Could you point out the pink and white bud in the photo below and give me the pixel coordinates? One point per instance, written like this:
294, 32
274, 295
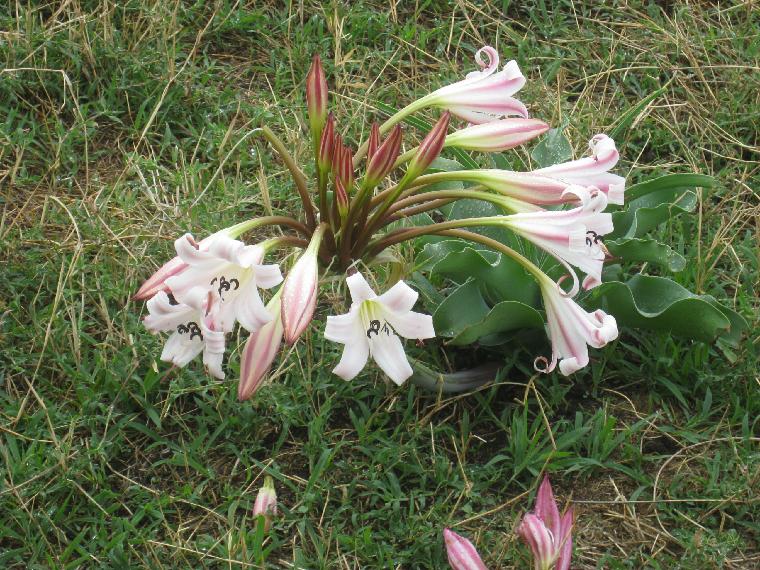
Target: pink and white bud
496, 135
384, 158
484, 95
266, 503
260, 350
461, 553
547, 534
592, 170
316, 96
299, 292
430, 147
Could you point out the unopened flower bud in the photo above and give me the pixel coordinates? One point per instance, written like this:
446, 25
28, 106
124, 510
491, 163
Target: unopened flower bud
374, 141
429, 148
266, 503
299, 291
384, 158
327, 145
316, 96
461, 553
259, 352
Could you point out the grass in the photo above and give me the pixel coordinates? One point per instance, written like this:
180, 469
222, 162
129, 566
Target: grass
122, 127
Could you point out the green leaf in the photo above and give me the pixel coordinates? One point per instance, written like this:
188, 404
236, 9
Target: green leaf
640, 217
462, 209
635, 249
668, 182
553, 148
500, 277
466, 317
464, 307
657, 303
503, 317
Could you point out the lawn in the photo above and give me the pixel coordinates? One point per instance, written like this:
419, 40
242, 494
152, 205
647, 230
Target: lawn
125, 124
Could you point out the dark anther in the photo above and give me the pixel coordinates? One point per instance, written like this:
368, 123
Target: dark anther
592, 238
172, 300
225, 285
374, 327
192, 328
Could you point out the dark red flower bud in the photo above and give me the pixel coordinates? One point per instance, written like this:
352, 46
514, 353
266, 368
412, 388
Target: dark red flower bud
384, 158
374, 141
316, 96
327, 144
430, 147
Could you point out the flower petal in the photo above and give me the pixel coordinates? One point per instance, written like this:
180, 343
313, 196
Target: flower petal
267, 276
249, 309
359, 288
388, 352
411, 325
179, 350
353, 360
546, 507
399, 298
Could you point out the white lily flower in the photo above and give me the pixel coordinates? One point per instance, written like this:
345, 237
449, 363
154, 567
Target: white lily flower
572, 330
372, 328
195, 325
233, 271
572, 236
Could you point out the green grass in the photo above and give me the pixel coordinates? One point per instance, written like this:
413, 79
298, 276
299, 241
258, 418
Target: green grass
116, 117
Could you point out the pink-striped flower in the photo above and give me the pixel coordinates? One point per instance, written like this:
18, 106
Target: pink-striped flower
259, 352
572, 236
547, 534
195, 328
461, 553
266, 502
372, 328
592, 170
233, 271
571, 330
497, 135
484, 95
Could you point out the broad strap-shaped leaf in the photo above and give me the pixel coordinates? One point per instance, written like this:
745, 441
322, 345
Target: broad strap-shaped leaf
657, 303
635, 249
506, 316
500, 278
466, 317
653, 202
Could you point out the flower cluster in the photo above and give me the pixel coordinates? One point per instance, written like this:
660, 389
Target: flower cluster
350, 215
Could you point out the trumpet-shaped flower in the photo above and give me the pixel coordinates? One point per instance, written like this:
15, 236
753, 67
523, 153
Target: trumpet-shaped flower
195, 325
496, 135
547, 534
592, 170
484, 95
372, 328
233, 271
572, 330
259, 352
461, 553
572, 236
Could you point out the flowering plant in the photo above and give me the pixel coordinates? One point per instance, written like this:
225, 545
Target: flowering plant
505, 245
